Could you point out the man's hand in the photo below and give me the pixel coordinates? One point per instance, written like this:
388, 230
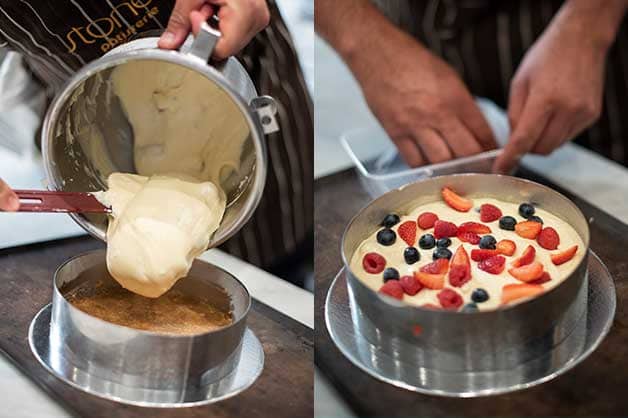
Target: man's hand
557, 90
9, 201
240, 21
423, 105
420, 100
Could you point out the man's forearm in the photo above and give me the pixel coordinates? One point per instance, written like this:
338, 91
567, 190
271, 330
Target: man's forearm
342, 23
352, 26
361, 34
600, 18
334, 19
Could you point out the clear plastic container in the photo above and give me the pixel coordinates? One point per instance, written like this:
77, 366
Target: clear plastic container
381, 168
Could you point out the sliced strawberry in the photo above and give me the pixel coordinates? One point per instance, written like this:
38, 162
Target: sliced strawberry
516, 291
373, 263
426, 220
459, 275
470, 237
506, 247
528, 272
444, 229
449, 299
431, 281
489, 213
410, 285
430, 306
392, 288
475, 227
528, 229
482, 254
545, 277
438, 266
460, 268
548, 238
493, 265
564, 256
455, 201
526, 258
407, 232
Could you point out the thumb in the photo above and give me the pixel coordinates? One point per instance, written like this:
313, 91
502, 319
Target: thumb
179, 23
8, 199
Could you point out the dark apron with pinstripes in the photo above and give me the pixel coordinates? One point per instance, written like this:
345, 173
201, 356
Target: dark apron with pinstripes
485, 40
58, 37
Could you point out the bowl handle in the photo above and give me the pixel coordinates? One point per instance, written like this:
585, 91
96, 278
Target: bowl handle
205, 42
266, 109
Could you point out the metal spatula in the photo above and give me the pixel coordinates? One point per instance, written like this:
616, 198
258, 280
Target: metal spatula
55, 201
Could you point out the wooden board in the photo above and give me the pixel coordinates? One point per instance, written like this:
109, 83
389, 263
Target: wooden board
285, 388
598, 386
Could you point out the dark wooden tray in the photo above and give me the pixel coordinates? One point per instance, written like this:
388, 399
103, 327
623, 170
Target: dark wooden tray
285, 388
597, 387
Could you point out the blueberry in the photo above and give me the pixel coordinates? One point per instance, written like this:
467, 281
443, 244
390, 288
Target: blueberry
411, 255
386, 237
443, 243
441, 253
488, 242
427, 241
391, 274
526, 210
535, 218
390, 220
479, 295
508, 223
470, 307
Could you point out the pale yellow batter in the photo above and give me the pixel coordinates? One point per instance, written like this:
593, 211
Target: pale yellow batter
188, 138
182, 122
158, 226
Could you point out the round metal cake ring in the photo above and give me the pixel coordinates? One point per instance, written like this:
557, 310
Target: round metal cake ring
383, 365
246, 372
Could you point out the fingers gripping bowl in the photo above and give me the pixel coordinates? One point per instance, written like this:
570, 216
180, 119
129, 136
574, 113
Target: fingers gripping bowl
498, 338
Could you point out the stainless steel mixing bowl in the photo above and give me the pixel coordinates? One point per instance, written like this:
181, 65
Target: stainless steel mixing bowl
142, 364
461, 341
86, 134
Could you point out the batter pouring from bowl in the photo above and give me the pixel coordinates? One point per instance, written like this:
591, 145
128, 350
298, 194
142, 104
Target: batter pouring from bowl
159, 225
164, 218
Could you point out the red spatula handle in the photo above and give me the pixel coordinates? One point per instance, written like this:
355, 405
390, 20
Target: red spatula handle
55, 201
